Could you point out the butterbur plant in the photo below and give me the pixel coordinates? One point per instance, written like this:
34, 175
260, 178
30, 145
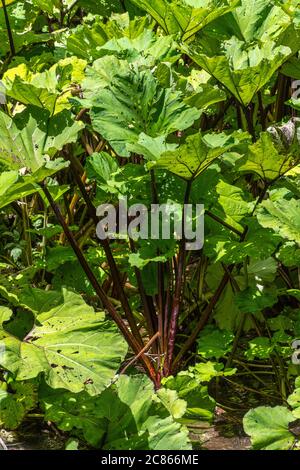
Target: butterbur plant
149, 211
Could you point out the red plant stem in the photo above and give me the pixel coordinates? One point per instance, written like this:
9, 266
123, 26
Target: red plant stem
108, 253
155, 199
262, 111
175, 310
131, 340
167, 304
147, 309
204, 318
161, 291
208, 311
282, 96
160, 305
178, 290
160, 275
248, 111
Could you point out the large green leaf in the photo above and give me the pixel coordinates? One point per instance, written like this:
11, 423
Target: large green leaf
243, 69
260, 348
87, 40
189, 388
151, 148
101, 75
283, 217
50, 90
265, 160
13, 186
205, 95
128, 415
31, 137
269, 428
101, 7
73, 346
101, 166
145, 49
292, 68
28, 142
31, 299
206, 371
134, 103
196, 154
226, 313
294, 399
149, 414
22, 16
243, 49
52, 5
185, 17
259, 243
258, 20
231, 205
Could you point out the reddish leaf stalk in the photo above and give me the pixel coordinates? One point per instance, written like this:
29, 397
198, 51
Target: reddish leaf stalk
131, 340
178, 289
203, 320
108, 253
150, 320
209, 309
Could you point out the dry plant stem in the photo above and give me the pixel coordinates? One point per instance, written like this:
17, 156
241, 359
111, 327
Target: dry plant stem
70, 218
249, 389
143, 351
81, 113
81, 233
132, 341
71, 208
76, 197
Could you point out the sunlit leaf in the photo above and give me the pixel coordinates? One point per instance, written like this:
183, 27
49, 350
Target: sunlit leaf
73, 346
269, 428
